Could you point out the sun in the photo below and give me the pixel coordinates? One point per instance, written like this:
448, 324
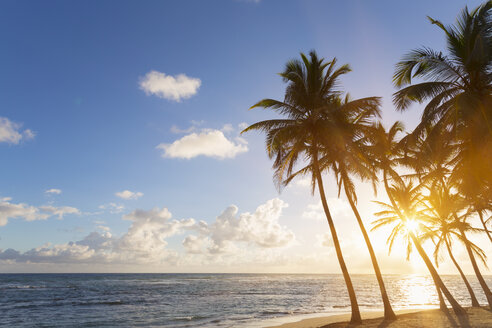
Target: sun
411, 225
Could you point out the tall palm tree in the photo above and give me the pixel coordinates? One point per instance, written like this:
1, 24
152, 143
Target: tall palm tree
386, 154
431, 156
404, 213
392, 215
311, 99
458, 90
462, 227
440, 210
355, 160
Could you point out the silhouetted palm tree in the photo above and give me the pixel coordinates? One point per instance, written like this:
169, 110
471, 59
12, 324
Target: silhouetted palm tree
463, 227
431, 155
353, 159
404, 213
385, 151
440, 211
458, 88
311, 97
482, 207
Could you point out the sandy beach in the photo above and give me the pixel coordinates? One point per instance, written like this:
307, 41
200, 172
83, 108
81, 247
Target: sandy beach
434, 318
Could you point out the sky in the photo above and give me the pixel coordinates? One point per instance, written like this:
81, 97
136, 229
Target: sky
120, 127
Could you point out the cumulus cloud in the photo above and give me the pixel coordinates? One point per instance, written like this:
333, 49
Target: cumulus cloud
146, 236
146, 240
169, 87
208, 142
127, 194
9, 210
10, 132
53, 191
260, 228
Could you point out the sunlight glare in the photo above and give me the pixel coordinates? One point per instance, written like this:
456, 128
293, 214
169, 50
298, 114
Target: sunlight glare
411, 225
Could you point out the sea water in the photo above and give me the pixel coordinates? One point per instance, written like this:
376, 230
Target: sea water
202, 300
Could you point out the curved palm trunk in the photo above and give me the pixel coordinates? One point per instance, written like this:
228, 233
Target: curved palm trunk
458, 310
482, 282
388, 310
355, 318
484, 225
468, 286
442, 304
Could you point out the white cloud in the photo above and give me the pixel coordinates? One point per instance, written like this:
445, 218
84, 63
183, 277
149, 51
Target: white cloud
145, 241
9, 210
337, 207
211, 143
260, 228
146, 236
10, 132
196, 244
169, 87
14, 211
113, 208
104, 228
227, 128
53, 191
59, 211
127, 194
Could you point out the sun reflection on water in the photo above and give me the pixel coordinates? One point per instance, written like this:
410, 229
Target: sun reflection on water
418, 291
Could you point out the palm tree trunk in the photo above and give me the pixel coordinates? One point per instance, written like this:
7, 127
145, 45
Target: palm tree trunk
482, 282
355, 318
442, 303
468, 286
484, 225
458, 310
388, 310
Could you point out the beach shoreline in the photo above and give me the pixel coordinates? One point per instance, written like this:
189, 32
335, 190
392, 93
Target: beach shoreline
320, 319
417, 317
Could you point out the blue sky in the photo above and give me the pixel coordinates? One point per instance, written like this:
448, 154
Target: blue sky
76, 118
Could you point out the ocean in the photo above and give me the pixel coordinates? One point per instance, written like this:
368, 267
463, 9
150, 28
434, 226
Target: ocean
201, 300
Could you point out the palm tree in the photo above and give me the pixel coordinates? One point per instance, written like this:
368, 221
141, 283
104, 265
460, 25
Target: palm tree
480, 206
431, 154
311, 94
386, 152
440, 210
458, 91
462, 227
404, 212
355, 161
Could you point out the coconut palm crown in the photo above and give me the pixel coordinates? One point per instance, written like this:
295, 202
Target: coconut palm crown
317, 124
458, 90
